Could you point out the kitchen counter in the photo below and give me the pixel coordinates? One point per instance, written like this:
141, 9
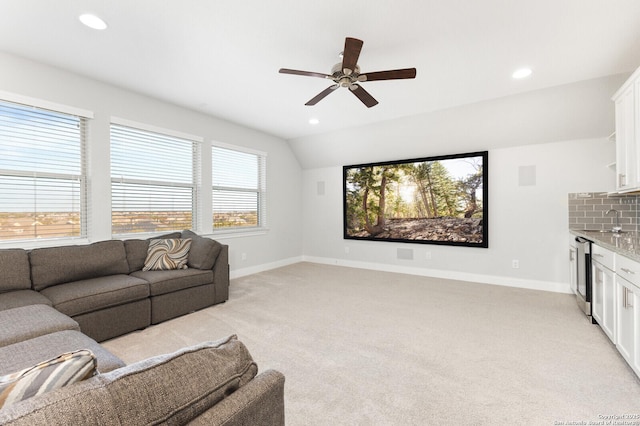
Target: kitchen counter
626, 244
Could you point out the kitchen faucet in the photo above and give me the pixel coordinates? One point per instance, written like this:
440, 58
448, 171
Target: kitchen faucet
617, 227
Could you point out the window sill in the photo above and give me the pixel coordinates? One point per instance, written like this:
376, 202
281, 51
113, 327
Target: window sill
216, 235
142, 235
236, 233
33, 244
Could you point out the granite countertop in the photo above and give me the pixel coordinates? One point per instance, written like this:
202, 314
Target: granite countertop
626, 243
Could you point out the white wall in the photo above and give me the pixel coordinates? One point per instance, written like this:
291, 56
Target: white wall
527, 223
280, 244
562, 131
581, 110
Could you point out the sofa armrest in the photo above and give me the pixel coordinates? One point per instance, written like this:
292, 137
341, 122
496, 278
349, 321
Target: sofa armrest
259, 402
221, 275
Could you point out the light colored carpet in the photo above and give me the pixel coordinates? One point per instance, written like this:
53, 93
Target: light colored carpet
363, 347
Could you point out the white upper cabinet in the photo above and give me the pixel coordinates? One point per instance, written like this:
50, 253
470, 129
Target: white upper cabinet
625, 145
627, 102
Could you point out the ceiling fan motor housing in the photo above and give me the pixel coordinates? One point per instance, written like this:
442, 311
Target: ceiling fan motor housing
343, 79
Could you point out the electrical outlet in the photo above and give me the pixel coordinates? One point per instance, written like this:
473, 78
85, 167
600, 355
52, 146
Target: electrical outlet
515, 264
346, 250
427, 255
244, 256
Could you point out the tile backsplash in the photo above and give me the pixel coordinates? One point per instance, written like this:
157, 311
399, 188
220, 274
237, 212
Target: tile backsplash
587, 210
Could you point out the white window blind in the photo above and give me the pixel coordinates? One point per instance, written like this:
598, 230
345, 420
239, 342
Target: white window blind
239, 182
152, 181
43, 192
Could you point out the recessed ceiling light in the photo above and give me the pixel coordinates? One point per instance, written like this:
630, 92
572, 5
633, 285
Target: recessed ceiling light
521, 73
92, 21
314, 121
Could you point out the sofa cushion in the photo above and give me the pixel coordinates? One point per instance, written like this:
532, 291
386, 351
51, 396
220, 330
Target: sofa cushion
45, 347
165, 255
15, 299
167, 389
204, 251
161, 282
14, 270
81, 297
136, 253
31, 321
137, 250
63, 370
56, 265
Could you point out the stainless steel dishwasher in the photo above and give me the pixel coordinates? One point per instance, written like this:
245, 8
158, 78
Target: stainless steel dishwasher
583, 262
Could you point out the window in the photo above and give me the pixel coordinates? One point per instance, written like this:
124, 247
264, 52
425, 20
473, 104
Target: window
153, 184
42, 173
239, 196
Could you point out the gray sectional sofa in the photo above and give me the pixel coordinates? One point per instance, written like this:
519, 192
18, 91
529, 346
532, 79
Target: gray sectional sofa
214, 383
62, 299
103, 287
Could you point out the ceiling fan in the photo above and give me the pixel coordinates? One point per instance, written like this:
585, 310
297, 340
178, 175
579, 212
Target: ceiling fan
347, 74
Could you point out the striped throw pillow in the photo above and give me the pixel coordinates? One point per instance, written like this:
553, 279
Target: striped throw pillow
63, 370
166, 254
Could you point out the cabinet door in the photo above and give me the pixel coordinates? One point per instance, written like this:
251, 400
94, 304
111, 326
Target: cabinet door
597, 292
608, 323
626, 319
633, 133
603, 299
626, 162
634, 300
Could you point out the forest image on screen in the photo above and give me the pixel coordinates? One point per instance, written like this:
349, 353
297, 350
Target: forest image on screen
438, 200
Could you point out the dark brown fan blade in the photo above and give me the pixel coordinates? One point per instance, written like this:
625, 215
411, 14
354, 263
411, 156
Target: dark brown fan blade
304, 73
320, 96
352, 48
388, 75
363, 95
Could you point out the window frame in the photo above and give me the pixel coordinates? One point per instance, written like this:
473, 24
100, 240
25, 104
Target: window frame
261, 193
82, 193
196, 158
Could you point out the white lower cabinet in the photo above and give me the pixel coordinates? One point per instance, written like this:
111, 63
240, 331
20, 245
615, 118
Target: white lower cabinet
626, 324
609, 315
615, 301
627, 311
603, 290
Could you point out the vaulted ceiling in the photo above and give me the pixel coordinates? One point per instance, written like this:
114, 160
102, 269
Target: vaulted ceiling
222, 58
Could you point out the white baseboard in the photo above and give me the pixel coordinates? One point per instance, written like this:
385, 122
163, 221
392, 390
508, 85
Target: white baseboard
237, 273
452, 275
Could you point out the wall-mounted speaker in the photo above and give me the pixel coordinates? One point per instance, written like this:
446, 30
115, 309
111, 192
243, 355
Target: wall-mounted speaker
527, 175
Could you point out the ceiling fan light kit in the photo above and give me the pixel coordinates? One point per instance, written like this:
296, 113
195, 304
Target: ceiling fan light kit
347, 74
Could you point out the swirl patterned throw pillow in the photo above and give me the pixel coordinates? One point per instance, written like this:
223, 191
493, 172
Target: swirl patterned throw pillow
167, 254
